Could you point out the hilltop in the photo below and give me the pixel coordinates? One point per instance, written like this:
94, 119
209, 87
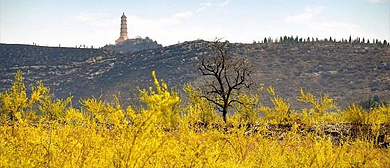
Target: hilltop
134, 45
348, 72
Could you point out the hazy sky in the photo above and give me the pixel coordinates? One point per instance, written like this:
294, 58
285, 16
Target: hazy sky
94, 22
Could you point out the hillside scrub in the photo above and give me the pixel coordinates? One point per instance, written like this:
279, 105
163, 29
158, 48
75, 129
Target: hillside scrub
39, 131
323, 67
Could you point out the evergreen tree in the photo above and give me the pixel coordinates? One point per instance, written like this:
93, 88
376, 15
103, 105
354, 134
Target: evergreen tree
350, 39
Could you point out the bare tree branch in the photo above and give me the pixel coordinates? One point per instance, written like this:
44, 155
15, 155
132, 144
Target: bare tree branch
228, 76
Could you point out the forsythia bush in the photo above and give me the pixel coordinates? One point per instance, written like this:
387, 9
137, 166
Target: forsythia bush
162, 103
37, 131
199, 110
281, 112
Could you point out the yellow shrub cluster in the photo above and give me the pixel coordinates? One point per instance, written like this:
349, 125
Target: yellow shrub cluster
37, 131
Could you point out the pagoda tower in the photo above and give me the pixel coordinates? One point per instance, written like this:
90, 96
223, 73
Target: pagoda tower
123, 36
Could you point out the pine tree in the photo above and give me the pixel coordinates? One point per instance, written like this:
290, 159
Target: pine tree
270, 40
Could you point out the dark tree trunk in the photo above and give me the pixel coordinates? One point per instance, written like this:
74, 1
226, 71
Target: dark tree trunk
224, 112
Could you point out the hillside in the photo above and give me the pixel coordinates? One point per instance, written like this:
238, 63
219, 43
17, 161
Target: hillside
348, 72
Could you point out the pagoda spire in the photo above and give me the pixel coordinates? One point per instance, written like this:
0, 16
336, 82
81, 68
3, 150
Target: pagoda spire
123, 31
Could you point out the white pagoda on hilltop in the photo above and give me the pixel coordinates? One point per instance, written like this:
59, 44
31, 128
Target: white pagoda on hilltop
123, 36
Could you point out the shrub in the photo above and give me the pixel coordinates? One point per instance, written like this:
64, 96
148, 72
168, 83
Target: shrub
99, 134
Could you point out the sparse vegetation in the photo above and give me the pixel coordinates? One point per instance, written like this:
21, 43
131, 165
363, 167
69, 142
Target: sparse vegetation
348, 72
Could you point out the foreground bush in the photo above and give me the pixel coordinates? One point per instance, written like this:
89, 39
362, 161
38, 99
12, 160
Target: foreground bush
37, 131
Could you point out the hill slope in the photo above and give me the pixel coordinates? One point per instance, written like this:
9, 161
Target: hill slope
349, 72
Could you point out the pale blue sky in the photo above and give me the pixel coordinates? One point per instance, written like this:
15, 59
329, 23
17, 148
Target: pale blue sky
94, 22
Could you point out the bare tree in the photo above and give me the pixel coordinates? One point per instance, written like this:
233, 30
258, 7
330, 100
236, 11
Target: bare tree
225, 77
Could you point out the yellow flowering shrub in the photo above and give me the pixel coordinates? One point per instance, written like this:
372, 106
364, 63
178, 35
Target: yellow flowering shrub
320, 110
356, 114
103, 113
15, 105
199, 110
100, 134
321, 106
14, 101
247, 110
162, 102
53, 109
281, 112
